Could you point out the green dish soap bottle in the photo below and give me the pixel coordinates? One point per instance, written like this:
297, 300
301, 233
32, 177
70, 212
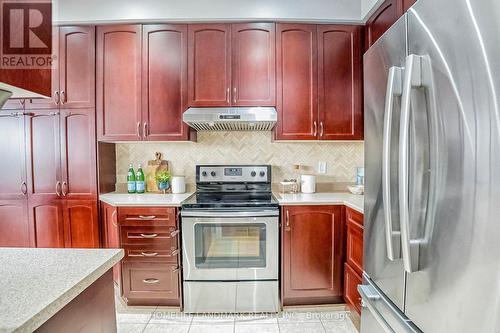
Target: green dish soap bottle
140, 180
131, 179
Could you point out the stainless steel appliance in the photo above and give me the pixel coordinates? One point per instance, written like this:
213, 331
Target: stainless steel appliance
231, 118
432, 180
230, 241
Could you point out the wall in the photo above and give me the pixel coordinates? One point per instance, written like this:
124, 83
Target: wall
246, 148
92, 11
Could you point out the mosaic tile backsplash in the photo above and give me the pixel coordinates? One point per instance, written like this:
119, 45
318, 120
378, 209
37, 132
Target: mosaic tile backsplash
342, 158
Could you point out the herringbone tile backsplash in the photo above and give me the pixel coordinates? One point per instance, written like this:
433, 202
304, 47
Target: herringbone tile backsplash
247, 148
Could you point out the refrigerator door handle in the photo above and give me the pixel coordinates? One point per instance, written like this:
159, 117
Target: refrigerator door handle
368, 295
394, 89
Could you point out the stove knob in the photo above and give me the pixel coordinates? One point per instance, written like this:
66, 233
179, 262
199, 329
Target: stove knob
262, 173
204, 173
253, 173
213, 173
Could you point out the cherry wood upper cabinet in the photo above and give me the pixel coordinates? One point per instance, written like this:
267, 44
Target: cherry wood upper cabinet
47, 222
385, 16
209, 56
340, 82
407, 4
77, 67
14, 226
12, 148
254, 64
118, 87
81, 224
297, 82
312, 254
78, 154
164, 82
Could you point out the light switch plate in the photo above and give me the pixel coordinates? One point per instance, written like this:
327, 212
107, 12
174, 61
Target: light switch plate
322, 167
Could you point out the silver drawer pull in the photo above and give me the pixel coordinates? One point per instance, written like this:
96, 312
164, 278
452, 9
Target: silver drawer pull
174, 252
150, 280
149, 254
148, 217
149, 235
174, 233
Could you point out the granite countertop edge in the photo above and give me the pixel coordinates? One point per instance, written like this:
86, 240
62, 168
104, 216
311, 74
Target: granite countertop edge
70, 294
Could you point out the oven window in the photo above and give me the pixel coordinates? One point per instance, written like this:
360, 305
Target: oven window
230, 245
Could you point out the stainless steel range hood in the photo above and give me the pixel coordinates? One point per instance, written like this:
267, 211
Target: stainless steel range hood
231, 118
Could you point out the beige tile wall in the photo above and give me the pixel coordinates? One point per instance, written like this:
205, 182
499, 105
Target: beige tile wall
246, 148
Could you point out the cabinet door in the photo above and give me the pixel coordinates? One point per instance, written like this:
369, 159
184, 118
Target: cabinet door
118, 87
340, 82
312, 254
77, 67
12, 150
43, 155
111, 239
407, 4
14, 225
254, 64
296, 51
351, 281
164, 80
385, 16
81, 224
46, 219
209, 55
78, 154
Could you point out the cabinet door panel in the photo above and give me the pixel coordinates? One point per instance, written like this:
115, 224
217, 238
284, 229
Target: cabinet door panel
385, 16
209, 54
78, 153
119, 82
14, 225
46, 218
111, 238
164, 81
81, 224
13, 175
296, 52
313, 252
77, 66
44, 166
340, 82
254, 64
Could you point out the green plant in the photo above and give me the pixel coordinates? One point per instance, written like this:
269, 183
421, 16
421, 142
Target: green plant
163, 176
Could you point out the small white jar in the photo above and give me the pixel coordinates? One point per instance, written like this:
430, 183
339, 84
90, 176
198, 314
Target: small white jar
178, 184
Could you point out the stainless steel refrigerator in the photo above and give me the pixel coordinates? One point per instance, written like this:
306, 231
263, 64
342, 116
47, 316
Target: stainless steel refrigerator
432, 176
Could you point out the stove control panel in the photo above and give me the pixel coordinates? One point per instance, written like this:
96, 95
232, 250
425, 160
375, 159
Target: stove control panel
233, 173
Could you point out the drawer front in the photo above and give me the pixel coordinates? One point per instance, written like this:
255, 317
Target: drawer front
151, 283
162, 236
146, 216
354, 216
355, 246
351, 281
148, 253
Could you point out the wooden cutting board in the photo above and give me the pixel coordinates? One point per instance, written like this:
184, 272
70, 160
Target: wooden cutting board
153, 167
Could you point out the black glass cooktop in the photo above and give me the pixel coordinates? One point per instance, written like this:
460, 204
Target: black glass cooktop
230, 200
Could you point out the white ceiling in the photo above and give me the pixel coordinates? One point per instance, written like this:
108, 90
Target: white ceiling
115, 11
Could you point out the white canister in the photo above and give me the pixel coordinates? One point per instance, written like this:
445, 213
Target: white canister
178, 184
308, 183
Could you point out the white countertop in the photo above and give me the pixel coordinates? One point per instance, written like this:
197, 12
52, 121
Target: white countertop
144, 199
37, 283
353, 201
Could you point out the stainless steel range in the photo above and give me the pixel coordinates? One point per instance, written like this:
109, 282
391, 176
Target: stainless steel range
230, 241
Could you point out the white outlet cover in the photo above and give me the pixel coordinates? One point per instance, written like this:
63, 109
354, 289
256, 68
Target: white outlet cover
322, 167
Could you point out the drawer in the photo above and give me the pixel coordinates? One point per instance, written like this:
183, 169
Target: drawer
148, 253
355, 246
162, 236
151, 283
149, 216
351, 281
354, 216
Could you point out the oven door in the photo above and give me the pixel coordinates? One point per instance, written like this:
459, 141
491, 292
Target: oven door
230, 246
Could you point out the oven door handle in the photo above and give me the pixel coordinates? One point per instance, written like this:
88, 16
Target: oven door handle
260, 213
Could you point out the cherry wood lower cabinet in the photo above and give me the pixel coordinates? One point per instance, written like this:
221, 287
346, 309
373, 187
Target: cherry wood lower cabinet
149, 274
312, 254
14, 225
353, 268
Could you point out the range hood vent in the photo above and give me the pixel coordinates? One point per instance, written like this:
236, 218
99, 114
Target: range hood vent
231, 118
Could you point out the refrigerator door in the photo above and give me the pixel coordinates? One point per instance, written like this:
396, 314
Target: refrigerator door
452, 245
383, 71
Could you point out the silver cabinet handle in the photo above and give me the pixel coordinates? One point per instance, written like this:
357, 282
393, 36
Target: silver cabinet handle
321, 129
149, 254
394, 88
56, 97
151, 280
227, 96
64, 188
174, 252
287, 220
149, 235
315, 128
145, 129
234, 95
58, 188
24, 188
63, 97
113, 219
174, 233
147, 217
139, 129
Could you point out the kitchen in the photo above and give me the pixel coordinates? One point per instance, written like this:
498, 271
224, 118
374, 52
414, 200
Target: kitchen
321, 167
